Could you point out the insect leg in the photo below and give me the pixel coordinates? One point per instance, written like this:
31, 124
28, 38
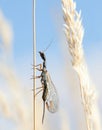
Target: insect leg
37, 88
36, 77
38, 65
39, 69
38, 92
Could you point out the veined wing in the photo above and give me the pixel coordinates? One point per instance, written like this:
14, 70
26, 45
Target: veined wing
52, 97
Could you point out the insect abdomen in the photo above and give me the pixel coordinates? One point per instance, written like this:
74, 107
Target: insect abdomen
45, 92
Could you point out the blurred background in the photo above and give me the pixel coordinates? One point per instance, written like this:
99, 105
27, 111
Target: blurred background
16, 96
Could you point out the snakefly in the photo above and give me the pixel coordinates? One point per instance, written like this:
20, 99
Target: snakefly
49, 93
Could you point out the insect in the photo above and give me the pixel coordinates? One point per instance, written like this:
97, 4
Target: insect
49, 93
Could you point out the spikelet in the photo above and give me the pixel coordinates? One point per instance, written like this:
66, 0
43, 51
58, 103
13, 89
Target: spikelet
74, 35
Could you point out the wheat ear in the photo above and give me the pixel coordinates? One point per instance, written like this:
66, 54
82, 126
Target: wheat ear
74, 35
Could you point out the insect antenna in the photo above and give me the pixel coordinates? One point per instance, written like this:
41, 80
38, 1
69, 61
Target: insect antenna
48, 45
42, 52
43, 112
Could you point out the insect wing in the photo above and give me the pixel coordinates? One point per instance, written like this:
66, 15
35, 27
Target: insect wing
52, 97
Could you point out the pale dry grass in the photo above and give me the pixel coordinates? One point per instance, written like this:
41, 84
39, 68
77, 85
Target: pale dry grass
74, 35
13, 103
5, 33
64, 120
21, 111
4, 105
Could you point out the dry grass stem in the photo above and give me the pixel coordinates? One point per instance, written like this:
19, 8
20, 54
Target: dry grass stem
74, 35
34, 61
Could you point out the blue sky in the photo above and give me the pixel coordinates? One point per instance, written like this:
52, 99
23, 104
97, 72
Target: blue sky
49, 26
19, 13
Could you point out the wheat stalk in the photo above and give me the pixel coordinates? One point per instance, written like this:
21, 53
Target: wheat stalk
74, 35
